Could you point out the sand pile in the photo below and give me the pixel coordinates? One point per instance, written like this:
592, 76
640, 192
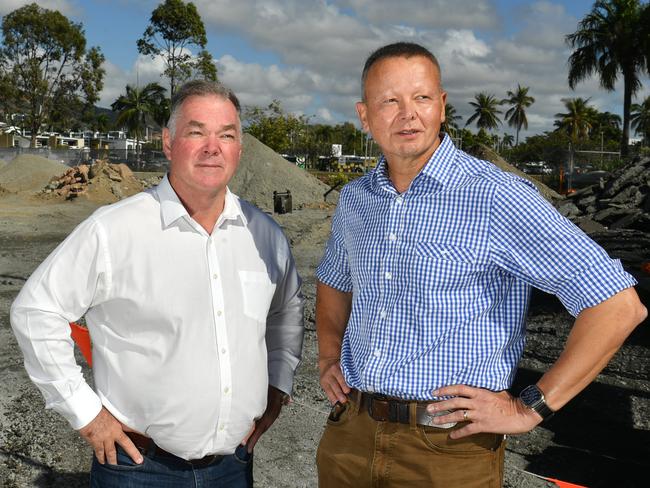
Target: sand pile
100, 182
488, 154
29, 173
262, 171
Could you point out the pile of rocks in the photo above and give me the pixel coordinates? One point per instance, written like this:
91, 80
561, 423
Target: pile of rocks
97, 180
621, 202
616, 214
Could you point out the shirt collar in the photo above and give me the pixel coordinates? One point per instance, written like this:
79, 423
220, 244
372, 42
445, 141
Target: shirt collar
439, 168
172, 209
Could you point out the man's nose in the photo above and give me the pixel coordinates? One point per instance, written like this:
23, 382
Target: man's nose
408, 110
212, 145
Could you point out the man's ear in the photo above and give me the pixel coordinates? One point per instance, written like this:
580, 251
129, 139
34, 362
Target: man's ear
362, 112
167, 143
443, 112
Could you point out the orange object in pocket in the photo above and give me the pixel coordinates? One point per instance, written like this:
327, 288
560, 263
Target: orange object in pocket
81, 337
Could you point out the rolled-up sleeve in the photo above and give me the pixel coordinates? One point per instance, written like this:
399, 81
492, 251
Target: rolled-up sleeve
334, 268
530, 240
60, 291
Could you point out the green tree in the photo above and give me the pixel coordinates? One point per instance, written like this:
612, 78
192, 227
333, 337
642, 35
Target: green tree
519, 101
577, 121
507, 140
612, 39
44, 56
204, 66
281, 131
451, 118
640, 119
173, 28
138, 106
486, 112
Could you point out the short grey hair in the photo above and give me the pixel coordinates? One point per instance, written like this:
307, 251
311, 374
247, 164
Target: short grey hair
396, 50
199, 88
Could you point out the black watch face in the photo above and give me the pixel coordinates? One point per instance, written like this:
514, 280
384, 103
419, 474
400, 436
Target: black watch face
530, 395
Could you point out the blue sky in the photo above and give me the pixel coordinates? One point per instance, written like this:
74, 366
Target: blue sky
309, 53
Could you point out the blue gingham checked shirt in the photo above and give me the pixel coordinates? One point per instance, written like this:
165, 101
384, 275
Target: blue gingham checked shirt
441, 274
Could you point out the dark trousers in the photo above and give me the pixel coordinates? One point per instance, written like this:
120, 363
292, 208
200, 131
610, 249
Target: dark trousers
234, 471
359, 452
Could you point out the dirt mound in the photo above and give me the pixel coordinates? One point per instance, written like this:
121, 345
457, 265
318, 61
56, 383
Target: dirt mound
488, 154
29, 173
100, 182
262, 171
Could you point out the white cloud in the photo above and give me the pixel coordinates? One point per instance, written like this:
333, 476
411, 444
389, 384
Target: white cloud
431, 14
65, 7
319, 47
144, 70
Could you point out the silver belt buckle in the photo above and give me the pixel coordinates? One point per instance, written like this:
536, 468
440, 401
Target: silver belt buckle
426, 418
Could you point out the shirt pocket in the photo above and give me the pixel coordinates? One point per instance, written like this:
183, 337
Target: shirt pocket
257, 293
446, 252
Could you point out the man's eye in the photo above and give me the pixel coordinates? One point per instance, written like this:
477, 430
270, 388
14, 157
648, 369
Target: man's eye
228, 136
390, 100
194, 133
423, 97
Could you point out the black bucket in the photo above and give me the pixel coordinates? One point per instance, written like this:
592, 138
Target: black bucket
282, 202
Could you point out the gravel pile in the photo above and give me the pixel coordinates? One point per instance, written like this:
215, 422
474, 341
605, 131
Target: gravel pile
488, 154
621, 202
262, 171
29, 173
101, 182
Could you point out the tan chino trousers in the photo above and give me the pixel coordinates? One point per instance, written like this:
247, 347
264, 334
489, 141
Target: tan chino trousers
359, 452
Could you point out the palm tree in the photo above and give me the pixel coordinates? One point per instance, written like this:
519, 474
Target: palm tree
451, 116
485, 111
640, 119
507, 140
519, 101
577, 121
610, 40
138, 106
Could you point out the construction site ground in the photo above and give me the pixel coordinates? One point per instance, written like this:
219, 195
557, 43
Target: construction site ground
601, 439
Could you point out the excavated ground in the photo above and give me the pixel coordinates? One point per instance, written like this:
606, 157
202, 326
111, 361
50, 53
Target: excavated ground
601, 439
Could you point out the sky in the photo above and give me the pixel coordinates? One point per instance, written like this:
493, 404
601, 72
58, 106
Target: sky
309, 53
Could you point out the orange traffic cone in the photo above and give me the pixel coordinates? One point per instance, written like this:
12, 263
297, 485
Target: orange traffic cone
81, 337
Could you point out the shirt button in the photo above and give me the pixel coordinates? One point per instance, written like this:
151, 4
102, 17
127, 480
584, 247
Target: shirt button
214, 276
223, 350
383, 314
219, 313
226, 390
377, 353
370, 389
221, 427
388, 275
399, 200
392, 237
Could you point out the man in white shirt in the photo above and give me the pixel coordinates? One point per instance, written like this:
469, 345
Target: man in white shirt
193, 305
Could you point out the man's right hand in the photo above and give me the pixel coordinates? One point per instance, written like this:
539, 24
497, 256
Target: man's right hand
103, 432
332, 381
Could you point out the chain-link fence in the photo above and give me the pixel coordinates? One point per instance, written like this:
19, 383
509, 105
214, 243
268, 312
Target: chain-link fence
145, 160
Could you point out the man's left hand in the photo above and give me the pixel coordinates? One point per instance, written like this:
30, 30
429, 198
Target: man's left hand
483, 410
273, 406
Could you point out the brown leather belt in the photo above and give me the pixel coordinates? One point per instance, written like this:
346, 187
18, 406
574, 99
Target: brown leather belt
389, 409
146, 445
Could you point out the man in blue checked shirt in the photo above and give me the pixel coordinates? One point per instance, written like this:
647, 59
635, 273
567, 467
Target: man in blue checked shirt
423, 293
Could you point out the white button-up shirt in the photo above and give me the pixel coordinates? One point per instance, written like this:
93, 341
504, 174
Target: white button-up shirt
188, 328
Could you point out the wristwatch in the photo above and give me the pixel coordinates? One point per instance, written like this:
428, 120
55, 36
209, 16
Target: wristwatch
533, 398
